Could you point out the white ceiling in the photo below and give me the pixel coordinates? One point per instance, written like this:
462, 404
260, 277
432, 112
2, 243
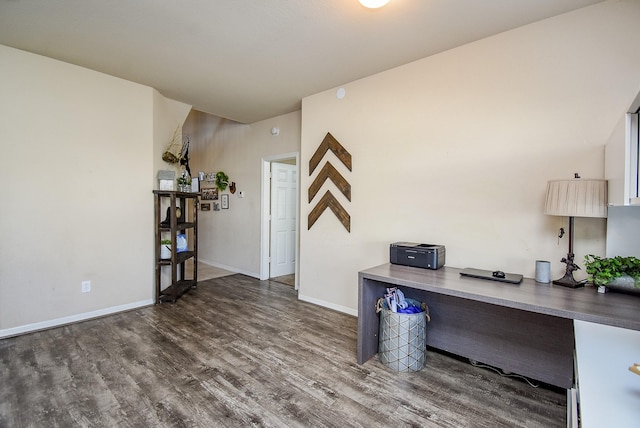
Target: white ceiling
249, 60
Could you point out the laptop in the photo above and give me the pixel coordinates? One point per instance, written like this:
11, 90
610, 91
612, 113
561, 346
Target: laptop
511, 278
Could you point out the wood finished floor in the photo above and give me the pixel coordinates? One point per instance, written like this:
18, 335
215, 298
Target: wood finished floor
241, 352
286, 279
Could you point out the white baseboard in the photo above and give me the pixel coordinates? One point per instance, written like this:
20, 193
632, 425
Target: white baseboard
329, 305
30, 328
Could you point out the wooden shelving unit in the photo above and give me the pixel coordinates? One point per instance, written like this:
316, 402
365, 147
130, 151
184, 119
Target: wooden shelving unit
168, 204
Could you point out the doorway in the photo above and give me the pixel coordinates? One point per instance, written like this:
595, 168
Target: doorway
280, 222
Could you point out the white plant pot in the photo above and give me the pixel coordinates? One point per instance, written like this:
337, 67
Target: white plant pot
624, 283
165, 251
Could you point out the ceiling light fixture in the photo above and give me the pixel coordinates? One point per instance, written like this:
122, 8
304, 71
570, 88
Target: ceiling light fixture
373, 4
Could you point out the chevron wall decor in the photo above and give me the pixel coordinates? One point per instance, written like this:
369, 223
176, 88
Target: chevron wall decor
330, 201
330, 143
328, 171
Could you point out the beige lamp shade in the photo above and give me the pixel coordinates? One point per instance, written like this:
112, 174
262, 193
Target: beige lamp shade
577, 197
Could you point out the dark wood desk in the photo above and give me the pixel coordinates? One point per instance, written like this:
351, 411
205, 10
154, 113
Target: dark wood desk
524, 328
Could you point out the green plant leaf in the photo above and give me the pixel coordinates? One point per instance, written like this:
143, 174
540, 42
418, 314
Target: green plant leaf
222, 180
605, 270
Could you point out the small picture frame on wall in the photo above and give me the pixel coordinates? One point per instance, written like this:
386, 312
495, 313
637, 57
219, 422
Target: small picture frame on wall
205, 206
210, 194
224, 201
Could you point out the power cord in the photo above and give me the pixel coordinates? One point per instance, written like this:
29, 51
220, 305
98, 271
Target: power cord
503, 373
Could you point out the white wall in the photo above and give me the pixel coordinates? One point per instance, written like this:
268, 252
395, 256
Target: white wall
230, 239
453, 149
78, 149
616, 164
618, 169
456, 149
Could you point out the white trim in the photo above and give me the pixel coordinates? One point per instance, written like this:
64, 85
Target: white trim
265, 193
30, 328
632, 169
628, 138
265, 212
572, 408
329, 305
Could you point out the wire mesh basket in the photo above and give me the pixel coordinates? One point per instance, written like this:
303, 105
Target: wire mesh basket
403, 338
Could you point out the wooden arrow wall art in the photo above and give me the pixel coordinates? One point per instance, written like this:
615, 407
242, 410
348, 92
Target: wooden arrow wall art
329, 143
330, 201
328, 171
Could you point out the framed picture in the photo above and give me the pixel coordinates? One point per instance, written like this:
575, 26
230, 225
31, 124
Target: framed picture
225, 201
210, 194
205, 207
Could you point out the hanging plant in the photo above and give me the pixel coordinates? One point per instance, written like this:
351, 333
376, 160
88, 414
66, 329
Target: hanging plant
222, 180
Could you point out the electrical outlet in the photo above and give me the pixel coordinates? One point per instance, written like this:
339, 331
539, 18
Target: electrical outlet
86, 286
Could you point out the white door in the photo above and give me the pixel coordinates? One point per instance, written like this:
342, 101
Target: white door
284, 194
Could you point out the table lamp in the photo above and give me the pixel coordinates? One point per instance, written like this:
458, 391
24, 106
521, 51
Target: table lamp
575, 198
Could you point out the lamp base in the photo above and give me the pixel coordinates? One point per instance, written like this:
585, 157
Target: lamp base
567, 280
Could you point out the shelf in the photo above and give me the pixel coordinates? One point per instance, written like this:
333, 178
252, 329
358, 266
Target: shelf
167, 202
174, 291
179, 226
181, 257
178, 194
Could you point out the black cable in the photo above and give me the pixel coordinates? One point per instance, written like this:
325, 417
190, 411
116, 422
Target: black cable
502, 372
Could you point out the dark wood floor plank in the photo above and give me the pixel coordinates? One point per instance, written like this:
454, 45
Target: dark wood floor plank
238, 352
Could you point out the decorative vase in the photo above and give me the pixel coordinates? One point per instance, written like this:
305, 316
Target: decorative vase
624, 283
165, 252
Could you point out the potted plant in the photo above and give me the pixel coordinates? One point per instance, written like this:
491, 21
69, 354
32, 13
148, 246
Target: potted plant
184, 183
165, 249
222, 180
619, 273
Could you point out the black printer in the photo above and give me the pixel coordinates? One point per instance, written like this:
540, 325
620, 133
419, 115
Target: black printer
427, 256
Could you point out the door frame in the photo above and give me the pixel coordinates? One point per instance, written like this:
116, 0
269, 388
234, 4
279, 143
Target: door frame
265, 204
